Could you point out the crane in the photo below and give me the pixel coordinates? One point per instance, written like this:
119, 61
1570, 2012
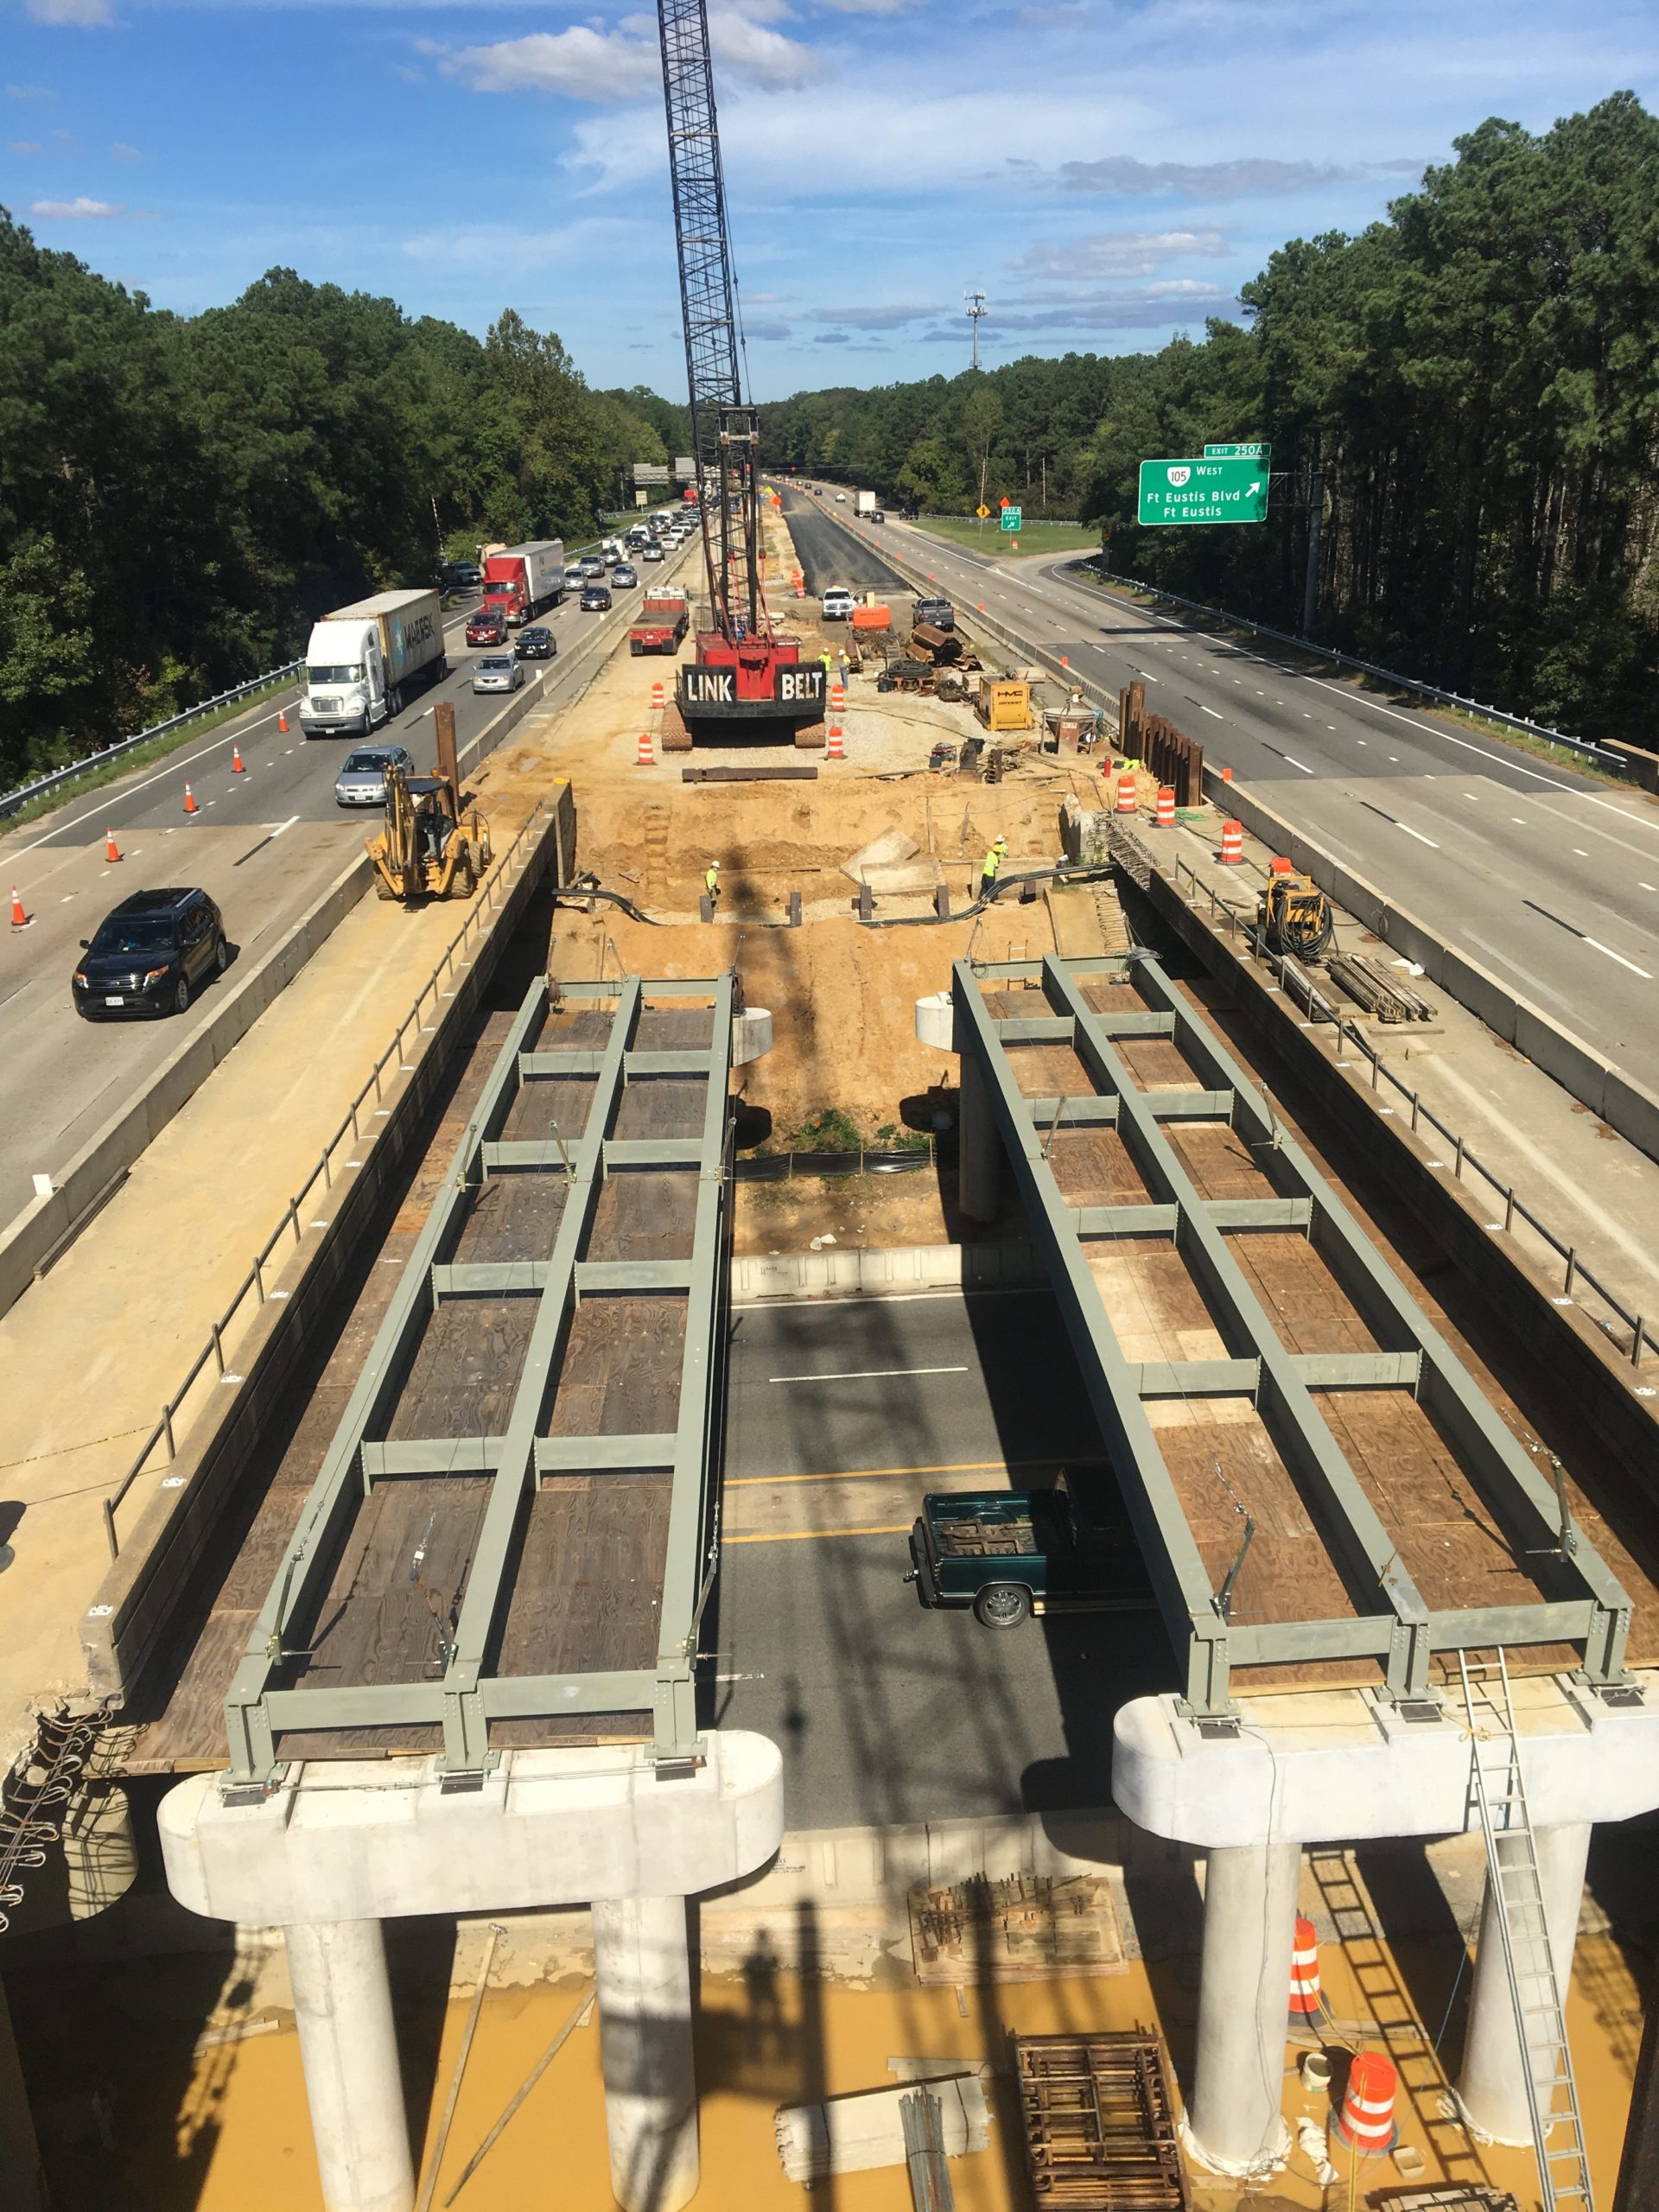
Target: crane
745, 675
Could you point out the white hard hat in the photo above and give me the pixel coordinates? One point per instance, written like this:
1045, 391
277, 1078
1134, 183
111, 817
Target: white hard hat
713, 864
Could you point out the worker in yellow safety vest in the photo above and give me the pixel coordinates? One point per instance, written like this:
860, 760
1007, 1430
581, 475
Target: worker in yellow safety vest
711, 883
989, 865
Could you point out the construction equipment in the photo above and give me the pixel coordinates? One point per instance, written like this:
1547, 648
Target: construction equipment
745, 678
1004, 705
427, 847
1294, 916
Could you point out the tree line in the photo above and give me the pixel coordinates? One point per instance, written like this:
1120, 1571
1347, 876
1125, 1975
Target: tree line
180, 497
1469, 385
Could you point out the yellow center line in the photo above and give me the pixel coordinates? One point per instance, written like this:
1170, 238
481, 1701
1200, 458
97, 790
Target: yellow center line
812, 1535
946, 1467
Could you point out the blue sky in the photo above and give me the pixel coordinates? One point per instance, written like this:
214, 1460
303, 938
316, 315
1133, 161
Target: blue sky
1108, 171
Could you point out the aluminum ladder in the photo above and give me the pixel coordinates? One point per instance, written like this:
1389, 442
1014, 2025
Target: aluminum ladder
1497, 1790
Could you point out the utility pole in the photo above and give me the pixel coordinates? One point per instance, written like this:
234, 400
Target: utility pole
1315, 523
975, 311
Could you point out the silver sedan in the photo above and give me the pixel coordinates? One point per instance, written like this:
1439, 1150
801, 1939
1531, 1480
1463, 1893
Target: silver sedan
362, 777
498, 673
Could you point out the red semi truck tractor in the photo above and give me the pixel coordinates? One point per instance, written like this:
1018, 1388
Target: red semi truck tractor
664, 618
521, 579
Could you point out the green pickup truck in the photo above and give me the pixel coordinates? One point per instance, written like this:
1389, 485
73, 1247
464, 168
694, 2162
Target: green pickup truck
1010, 1553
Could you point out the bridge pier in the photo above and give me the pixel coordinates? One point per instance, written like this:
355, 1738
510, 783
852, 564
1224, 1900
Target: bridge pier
1249, 1915
1492, 2087
335, 1847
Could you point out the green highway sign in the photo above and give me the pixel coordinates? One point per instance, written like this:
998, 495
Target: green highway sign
1202, 491
1260, 452
1010, 518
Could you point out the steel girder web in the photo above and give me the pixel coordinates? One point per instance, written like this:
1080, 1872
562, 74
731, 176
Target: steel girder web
265, 1699
1586, 1605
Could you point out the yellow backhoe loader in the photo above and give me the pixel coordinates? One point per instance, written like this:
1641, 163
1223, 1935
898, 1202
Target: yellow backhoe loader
428, 849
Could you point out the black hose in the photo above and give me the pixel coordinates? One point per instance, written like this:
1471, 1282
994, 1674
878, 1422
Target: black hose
569, 894
1090, 872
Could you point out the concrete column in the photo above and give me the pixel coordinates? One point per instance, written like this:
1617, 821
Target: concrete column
1492, 2087
348, 2042
978, 1154
22, 2183
1235, 2120
642, 1963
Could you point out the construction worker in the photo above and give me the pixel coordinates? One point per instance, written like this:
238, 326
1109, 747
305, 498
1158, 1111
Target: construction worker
824, 657
711, 883
989, 867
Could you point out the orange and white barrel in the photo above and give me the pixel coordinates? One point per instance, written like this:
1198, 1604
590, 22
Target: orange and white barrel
832, 750
1279, 866
644, 758
1305, 2003
1165, 817
1125, 794
1226, 775
657, 697
1232, 843
1366, 2120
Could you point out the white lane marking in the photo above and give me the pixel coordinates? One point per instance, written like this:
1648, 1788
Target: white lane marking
288, 824
1395, 757
1521, 819
1642, 886
1417, 833
1295, 764
1359, 740
867, 1375
1644, 973
1203, 710
1526, 974
1580, 850
1471, 798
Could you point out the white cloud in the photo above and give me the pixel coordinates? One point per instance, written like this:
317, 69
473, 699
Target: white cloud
1129, 178
76, 210
25, 145
869, 7
86, 14
614, 66
121, 152
873, 318
1120, 253
525, 249
28, 93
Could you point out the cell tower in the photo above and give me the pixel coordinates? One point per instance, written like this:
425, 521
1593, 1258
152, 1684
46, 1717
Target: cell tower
975, 311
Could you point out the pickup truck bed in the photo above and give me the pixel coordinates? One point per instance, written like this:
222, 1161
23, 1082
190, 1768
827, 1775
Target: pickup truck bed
1010, 1553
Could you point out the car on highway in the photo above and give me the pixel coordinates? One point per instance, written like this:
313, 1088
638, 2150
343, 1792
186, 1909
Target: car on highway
624, 576
653, 551
938, 613
487, 627
537, 642
836, 604
498, 673
840, 498
574, 580
362, 777
148, 954
876, 515
591, 566
468, 573
1008, 1553
596, 600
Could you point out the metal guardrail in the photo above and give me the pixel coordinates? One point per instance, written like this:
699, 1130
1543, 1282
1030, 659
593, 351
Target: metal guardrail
1320, 1008
485, 897
1611, 761
11, 801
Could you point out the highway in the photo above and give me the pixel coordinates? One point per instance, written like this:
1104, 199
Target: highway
1548, 877
264, 844
841, 1414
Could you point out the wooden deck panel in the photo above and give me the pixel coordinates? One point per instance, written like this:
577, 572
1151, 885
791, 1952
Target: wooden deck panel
466, 1369
1309, 1308
643, 1213
620, 1372
515, 1215
550, 1105
587, 1596
662, 1106
397, 1587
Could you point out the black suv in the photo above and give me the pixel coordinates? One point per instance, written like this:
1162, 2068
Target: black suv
148, 955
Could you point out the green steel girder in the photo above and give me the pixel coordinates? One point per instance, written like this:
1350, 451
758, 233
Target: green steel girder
1584, 1605
261, 1703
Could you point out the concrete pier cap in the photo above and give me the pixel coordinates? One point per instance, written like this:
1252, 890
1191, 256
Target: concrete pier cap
1326, 1766
379, 1840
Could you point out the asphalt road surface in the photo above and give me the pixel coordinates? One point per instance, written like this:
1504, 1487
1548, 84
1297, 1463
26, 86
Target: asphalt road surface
264, 844
1547, 878
831, 556
840, 1414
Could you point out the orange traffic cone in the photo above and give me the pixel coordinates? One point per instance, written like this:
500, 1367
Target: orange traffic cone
833, 751
20, 920
111, 850
644, 758
190, 806
281, 722
238, 768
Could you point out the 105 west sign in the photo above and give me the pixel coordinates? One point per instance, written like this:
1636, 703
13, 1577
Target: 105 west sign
1202, 490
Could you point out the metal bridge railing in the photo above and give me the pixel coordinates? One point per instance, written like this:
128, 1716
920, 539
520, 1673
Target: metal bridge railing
349, 1133
1578, 1277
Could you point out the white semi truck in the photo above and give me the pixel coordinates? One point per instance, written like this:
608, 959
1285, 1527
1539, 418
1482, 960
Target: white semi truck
864, 503
362, 661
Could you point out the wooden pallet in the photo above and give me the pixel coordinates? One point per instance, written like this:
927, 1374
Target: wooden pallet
1099, 2114
1024, 1927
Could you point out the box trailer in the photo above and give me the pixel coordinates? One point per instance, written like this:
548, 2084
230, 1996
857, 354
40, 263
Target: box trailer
362, 660
521, 579
865, 504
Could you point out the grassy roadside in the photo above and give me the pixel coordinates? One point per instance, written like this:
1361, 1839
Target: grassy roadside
1300, 663
100, 772
1034, 537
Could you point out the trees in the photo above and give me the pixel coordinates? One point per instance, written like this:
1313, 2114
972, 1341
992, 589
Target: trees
179, 499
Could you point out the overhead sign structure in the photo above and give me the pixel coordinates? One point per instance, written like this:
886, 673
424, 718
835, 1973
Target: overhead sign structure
1261, 451
1010, 518
685, 468
650, 472
1202, 491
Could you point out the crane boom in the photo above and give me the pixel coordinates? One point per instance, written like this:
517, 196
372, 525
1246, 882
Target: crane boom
724, 428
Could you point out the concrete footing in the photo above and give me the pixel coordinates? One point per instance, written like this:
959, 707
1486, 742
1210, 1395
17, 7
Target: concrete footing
1249, 1913
348, 2045
1493, 2088
642, 1964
